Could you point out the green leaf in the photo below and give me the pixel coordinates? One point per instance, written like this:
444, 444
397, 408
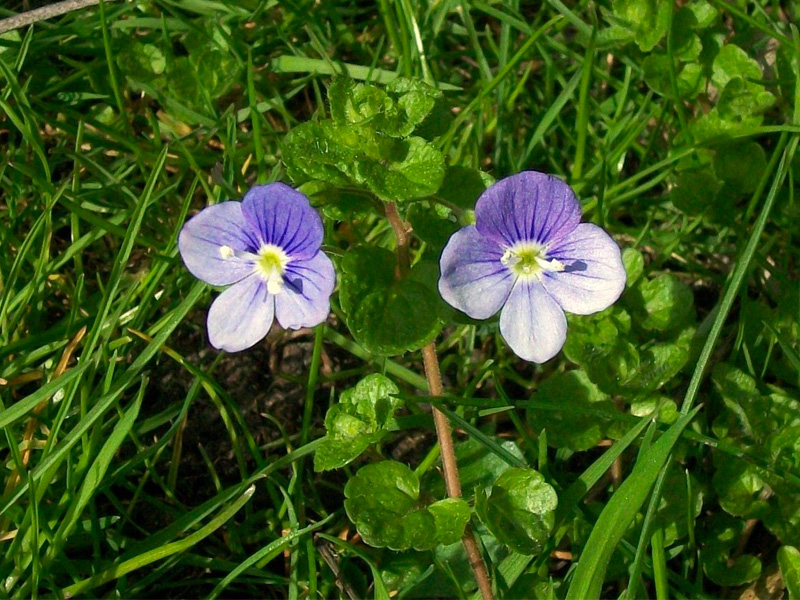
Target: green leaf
478, 466
396, 319
663, 304
383, 502
735, 571
360, 419
430, 227
695, 190
619, 513
519, 510
689, 77
415, 99
387, 315
741, 165
741, 99
414, 169
313, 151
648, 20
363, 269
789, 561
462, 186
732, 62
569, 428
634, 265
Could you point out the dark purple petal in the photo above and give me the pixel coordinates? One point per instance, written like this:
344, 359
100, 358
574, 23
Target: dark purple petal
593, 276
532, 323
241, 315
284, 217
205, 235
528, 206
473, 279
305, 299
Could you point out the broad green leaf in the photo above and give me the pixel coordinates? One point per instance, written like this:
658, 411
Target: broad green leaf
396, 319
703, 11
599, 343
689, 77
719, 562
634, 265
519, 510
363, 269
478, 466
789, 561
359, 420
662, 361
383, 501
414, 170
732, 62
695, 190
414, 99
742, 99
387, 315
737, 484
663, 304
734, 571
619, 512
462, 186
429, 226
648, 20
313, 151
667, 413
357, 103
741, 165
566, 427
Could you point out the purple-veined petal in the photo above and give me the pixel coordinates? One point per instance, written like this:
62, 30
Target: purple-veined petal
593, 276
284, 217
241, 315
532, 323
204, 236
473, 279
305, 298
528, 206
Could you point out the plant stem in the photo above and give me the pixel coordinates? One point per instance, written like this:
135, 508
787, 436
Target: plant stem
450, 468
443, 431
401, 233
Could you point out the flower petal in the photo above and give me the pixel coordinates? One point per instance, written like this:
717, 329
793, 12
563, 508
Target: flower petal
241, 315
594, 276
284, 217
532, 322
528, 206
206, 233
473, 279
305, 299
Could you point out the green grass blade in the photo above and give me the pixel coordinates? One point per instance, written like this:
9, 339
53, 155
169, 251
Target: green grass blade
619, 514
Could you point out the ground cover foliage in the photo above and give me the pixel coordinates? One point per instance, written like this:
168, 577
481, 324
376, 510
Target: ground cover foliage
656, 456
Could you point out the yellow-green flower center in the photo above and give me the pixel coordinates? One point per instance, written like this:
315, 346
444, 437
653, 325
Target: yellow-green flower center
270, 266
528, 259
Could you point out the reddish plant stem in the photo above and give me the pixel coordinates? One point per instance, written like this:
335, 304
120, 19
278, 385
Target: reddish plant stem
442, 424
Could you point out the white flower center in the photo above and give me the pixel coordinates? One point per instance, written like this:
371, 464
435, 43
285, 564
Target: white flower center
529, 260
226, 252
270, 266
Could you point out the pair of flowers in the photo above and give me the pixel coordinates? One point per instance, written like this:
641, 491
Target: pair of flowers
528, 256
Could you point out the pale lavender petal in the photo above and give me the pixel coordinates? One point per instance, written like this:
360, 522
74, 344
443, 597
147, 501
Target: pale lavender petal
532, 322
528, 206
202, 237
241, 315
473, 279
284, 217
305, 299
593, 277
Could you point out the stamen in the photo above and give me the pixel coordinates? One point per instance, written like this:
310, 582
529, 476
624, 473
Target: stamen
270, 266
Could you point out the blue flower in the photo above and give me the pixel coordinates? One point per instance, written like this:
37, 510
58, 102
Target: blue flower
529, 257
267, 249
